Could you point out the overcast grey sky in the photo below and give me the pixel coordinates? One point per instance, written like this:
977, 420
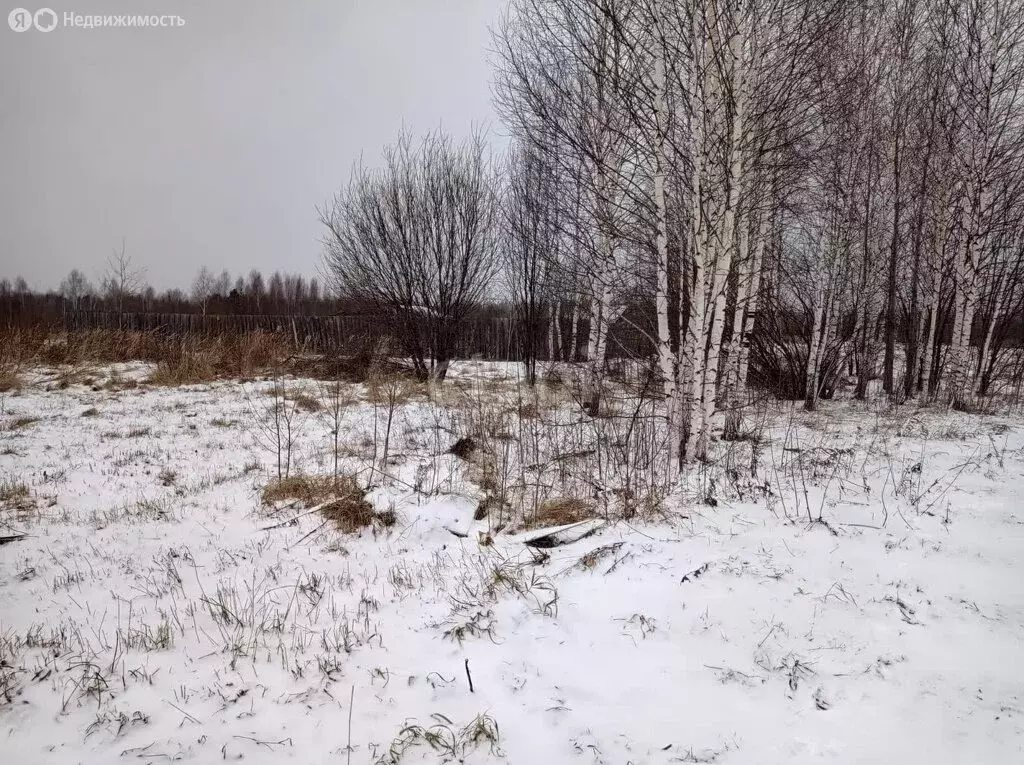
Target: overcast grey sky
211, 143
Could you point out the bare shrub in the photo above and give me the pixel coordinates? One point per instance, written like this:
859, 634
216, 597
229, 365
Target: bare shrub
335, 398
418, 239
276, 426
357, 360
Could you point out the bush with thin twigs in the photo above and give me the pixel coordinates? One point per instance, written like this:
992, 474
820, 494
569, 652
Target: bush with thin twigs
276, 425
527, 450
335, 398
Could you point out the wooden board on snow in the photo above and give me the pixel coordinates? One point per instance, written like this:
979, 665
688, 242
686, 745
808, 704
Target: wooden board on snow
556, 536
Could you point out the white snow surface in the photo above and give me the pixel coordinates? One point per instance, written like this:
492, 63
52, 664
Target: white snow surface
148, 618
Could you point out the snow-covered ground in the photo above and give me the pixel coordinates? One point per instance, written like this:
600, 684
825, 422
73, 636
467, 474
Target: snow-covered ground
148, 617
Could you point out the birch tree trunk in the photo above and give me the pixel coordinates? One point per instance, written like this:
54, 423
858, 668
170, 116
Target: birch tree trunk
966, 306
731, 386
818, 323
981, 377
750, 318
936, 259
667, 359
927, 358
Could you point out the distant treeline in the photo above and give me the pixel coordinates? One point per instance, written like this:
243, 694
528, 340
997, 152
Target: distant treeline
122, 289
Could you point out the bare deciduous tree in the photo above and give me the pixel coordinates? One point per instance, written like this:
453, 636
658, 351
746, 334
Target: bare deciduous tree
419, 238
203, 288
122, 278
75, 287
531, 244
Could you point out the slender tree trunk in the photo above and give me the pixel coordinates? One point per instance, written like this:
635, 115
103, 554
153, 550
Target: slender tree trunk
936, 259
731, 385
667, 357
889, 383
963, 322
572, 350
818, 324
559, 348
750, 319
982, 376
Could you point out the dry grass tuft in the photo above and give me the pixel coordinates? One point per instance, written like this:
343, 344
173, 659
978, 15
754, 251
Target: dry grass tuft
116, 383
349, 514
387, 518
199, 359
341, 500
10, 381
560, 512
18, 423
392, 387
191, 367
309, 490
18, 349
70, 375
16, 496
302, 400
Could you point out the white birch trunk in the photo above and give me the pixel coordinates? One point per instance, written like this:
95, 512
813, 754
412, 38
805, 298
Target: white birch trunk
725, 244
667, 359
696, 337
750, 317
986, 349
730, 385
963, 324
814, 352
929, 346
